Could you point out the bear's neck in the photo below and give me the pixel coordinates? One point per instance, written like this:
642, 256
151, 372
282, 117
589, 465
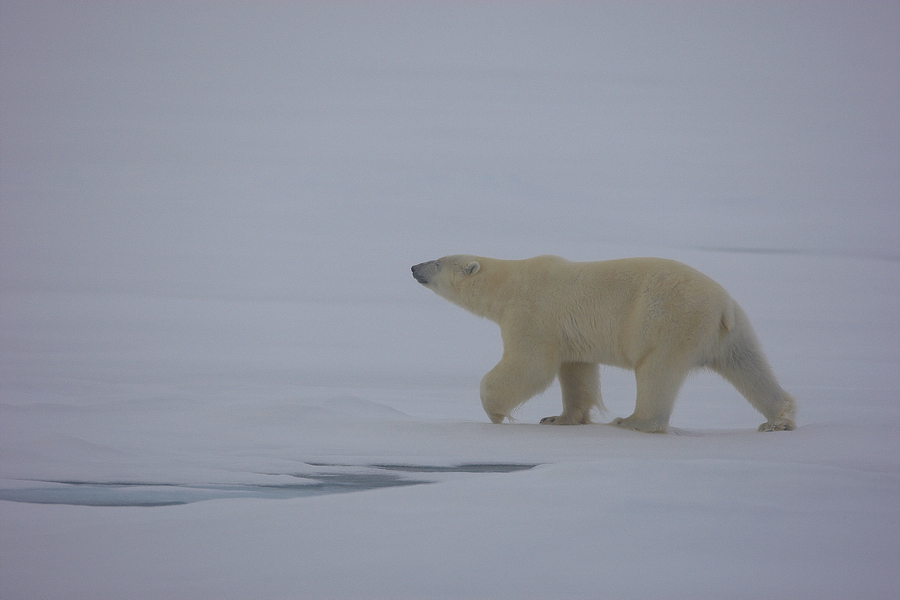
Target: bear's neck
487, 294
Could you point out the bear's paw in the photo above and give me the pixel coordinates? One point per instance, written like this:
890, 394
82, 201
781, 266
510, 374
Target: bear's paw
778, 425
643, 425
564, 420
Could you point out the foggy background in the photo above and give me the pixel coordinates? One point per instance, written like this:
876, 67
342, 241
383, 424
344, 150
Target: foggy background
208, 211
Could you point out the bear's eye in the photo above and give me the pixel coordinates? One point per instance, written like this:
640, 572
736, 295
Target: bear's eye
437, 264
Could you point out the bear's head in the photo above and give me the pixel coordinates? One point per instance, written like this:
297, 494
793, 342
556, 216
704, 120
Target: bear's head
448, 277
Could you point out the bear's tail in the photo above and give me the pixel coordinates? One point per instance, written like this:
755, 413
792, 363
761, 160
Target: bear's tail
728, 318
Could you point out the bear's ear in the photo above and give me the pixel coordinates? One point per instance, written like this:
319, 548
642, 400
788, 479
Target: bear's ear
472, 268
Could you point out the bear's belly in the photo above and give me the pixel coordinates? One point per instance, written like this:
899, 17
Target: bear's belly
597, 354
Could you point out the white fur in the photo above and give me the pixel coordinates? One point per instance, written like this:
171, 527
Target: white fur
561, 319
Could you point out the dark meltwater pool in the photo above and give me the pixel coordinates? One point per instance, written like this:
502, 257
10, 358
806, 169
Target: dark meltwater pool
332, 480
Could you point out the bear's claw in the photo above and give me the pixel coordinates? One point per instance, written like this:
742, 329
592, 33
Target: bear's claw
564, 420
780, 425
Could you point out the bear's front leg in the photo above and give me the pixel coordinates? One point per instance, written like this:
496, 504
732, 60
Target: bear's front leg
513, 381
580, 384
658, 378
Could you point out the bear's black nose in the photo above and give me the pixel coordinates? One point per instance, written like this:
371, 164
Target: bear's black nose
418, 274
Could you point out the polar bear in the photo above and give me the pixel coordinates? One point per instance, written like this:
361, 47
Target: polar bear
561, 319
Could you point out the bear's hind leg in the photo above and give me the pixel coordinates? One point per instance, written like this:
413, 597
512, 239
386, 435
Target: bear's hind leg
512, 382
748, 371
580, 383
658, 380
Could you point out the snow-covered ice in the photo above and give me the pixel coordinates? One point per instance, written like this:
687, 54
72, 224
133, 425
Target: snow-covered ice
209, 329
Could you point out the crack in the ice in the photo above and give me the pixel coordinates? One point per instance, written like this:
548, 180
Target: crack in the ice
146, 494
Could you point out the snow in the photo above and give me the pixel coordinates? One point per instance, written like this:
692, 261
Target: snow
217, 370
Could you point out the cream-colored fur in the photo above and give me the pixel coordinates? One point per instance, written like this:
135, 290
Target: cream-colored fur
561, 319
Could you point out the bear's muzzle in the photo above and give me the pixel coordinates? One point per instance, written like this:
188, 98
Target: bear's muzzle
423, 271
